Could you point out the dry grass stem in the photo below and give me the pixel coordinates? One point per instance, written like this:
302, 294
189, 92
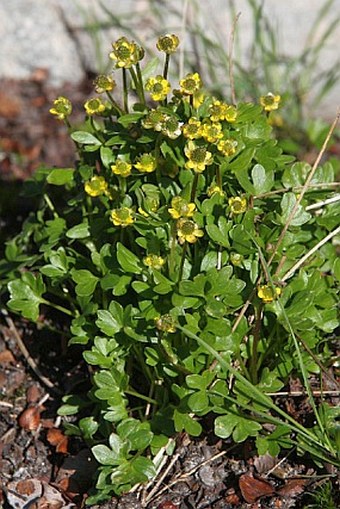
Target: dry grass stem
323, 203
231, 59
317, 246
30, 361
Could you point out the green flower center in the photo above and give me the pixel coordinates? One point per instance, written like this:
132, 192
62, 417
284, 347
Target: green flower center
123, 214
167, 43
188, 227
198, 155
171, 124
158, 87
124, 52
190, 84
237, 206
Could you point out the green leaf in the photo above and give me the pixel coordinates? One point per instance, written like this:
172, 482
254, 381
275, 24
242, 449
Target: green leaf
79, 231
140, 439
287, 204
198, 402
187, 423
237, 426
296, 175
144, 467
107, 156
61, 176
263, 179
117, 445
86, 282
336, 269
128, 260
88, 427
195, 287
130, 118
104, 455
96, 358
107, 323
242, 161
26, 295
85, 138
72, 405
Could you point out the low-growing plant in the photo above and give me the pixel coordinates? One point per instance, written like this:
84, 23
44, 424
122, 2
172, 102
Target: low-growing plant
194, 261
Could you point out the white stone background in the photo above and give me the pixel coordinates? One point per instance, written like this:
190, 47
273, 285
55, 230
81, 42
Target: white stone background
50, 34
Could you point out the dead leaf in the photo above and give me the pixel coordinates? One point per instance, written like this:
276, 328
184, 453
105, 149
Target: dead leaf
35, 493
30, 418
264, 463
56, 438
33, 394
167, 504
252, 489
69, 487
292, 488
6, 357
23, 493
232, 498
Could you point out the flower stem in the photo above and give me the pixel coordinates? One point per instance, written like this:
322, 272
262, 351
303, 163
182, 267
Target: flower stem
218, 177
140, 84
125, 91
194, 187
256, 338
114, 104
166, 66
180, 272
59, 308
50, 204
131, 392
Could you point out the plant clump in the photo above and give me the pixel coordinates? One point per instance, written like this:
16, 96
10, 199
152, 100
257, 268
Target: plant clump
165, 252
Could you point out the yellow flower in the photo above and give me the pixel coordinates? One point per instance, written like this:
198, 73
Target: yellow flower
217, 111
158, 87
121, 168
171, 127
267, 293
62, 108
154, 261
126, 53
214, 189
198, 157
95, 105
104, 83
168, 43
231, 114
181, 208
212, 132
146, 163
192, 129
188, 231
198, 99
154, 120
96, 186
143, 212
122, 217
165, 323
190, 84
227, 147
270, 102
238, 205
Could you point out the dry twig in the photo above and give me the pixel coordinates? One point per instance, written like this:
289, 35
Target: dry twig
30, 361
